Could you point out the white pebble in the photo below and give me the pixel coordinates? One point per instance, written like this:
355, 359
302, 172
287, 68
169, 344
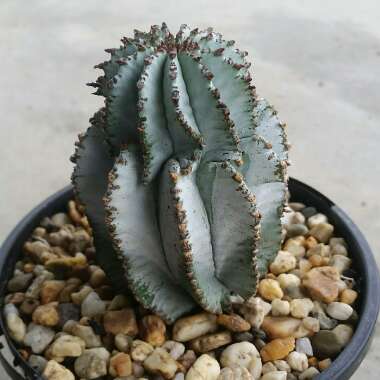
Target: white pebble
284, 262
16, 326
344, 334
175, 349
288, 280
339, 310
309, 374
338, 249
204, 368
337, 240
297, 361
269, 367
300, 308
316, 219
278, 375
140, 350
241, 355
297, 218
236, 373
280, 308
55, 371
319, 249
282, 365
322, 232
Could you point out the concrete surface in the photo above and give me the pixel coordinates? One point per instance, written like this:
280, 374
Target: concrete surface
318, 62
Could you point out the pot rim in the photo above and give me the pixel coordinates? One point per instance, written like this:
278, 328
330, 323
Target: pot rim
342, 367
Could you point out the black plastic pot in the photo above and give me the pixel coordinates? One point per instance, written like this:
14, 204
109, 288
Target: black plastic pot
342, 368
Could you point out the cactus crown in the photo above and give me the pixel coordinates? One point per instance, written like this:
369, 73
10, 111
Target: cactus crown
183, 172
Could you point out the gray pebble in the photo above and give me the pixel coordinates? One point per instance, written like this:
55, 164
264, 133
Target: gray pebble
87, 334
243, 337
68, 311
340, 262
35, 288
93, 306
92, 363
354, 318
259, 343
326, 344
38, 337
123, 342
37, 362
337, 240
325, 322
47, 224
258, 333
344, 334
308, 212
296, 230
20, 282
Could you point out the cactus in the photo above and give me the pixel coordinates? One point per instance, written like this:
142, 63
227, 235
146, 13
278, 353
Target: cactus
183, 172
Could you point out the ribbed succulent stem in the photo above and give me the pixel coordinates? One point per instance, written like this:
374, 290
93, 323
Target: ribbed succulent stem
192, 168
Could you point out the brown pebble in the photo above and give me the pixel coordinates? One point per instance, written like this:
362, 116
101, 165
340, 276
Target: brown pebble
153, 330
348, 296
322, 283
211, 342
46, 315
311, 242
277, 349
29, 305
322, 232
98, 278
313, 361
105, 292
121, 322
24, 354
233, 322
29, 268
74, 214
280, 327
50, 291
187, 359
270, 289
68, 290
316, 260
81, 271
120, 365
15, 298
324, 364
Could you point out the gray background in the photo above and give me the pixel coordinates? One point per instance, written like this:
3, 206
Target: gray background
317, 62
